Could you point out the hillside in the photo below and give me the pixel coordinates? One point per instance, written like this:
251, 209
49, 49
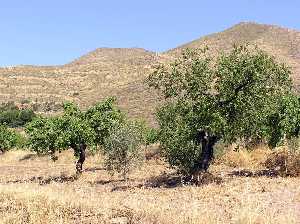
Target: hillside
121, 71
92, 77
281, 42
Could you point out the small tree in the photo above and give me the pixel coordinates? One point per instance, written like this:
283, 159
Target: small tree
48, 135
122, 148
8, 138
74, 129
235, 96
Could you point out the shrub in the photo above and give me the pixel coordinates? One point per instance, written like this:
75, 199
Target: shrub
122, 148
8, 138
151, 136
14, 117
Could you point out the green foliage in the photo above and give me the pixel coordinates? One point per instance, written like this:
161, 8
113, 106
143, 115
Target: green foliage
122, 148
74, 129
151, 136
234, 96
14, 117
46, 135
102, 117
21, 141
8, 138
285, 122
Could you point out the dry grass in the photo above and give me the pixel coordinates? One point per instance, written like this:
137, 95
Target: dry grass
287, 163
36, 190
281, 161
244, 158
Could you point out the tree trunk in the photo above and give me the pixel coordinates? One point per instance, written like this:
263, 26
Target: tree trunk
207, 152
81, 154
207, 143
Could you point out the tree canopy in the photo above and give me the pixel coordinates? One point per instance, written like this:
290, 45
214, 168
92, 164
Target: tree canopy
74, 129
236, 95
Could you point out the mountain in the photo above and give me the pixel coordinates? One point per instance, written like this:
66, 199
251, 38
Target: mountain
281, 42
121, 71
104, 72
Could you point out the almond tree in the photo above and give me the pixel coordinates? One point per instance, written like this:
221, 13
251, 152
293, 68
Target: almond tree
236, 95
74, 129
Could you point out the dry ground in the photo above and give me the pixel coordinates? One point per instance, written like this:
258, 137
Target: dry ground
36, 190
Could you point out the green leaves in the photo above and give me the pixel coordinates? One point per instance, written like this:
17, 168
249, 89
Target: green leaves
74, 127
244, 94
8, 138
45, 135
102, 117
13, 117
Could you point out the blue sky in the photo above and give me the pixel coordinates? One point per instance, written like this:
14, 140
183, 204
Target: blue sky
49, 32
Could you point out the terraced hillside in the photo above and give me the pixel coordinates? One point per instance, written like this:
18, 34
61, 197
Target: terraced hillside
121, 72
101, 73
281, 42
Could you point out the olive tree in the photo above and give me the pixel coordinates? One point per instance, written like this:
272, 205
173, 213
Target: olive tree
236, 95
122, 148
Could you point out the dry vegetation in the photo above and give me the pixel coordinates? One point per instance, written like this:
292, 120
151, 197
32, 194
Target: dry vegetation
35, 190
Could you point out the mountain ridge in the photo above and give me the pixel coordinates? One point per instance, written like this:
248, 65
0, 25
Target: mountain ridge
121, 71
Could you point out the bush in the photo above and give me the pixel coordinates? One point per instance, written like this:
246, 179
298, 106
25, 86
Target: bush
8, 138
13, 117
151, 136
122, 148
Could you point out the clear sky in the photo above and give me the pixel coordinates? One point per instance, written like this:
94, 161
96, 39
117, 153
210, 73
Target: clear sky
49, 32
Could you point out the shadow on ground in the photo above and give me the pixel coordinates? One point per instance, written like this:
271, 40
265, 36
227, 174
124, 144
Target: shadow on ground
31, 156
44, 181
257, 173
165, 181
93, 169
175, 180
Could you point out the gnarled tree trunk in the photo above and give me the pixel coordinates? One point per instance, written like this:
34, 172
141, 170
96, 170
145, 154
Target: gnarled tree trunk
207, 152
207, 143
80, 152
